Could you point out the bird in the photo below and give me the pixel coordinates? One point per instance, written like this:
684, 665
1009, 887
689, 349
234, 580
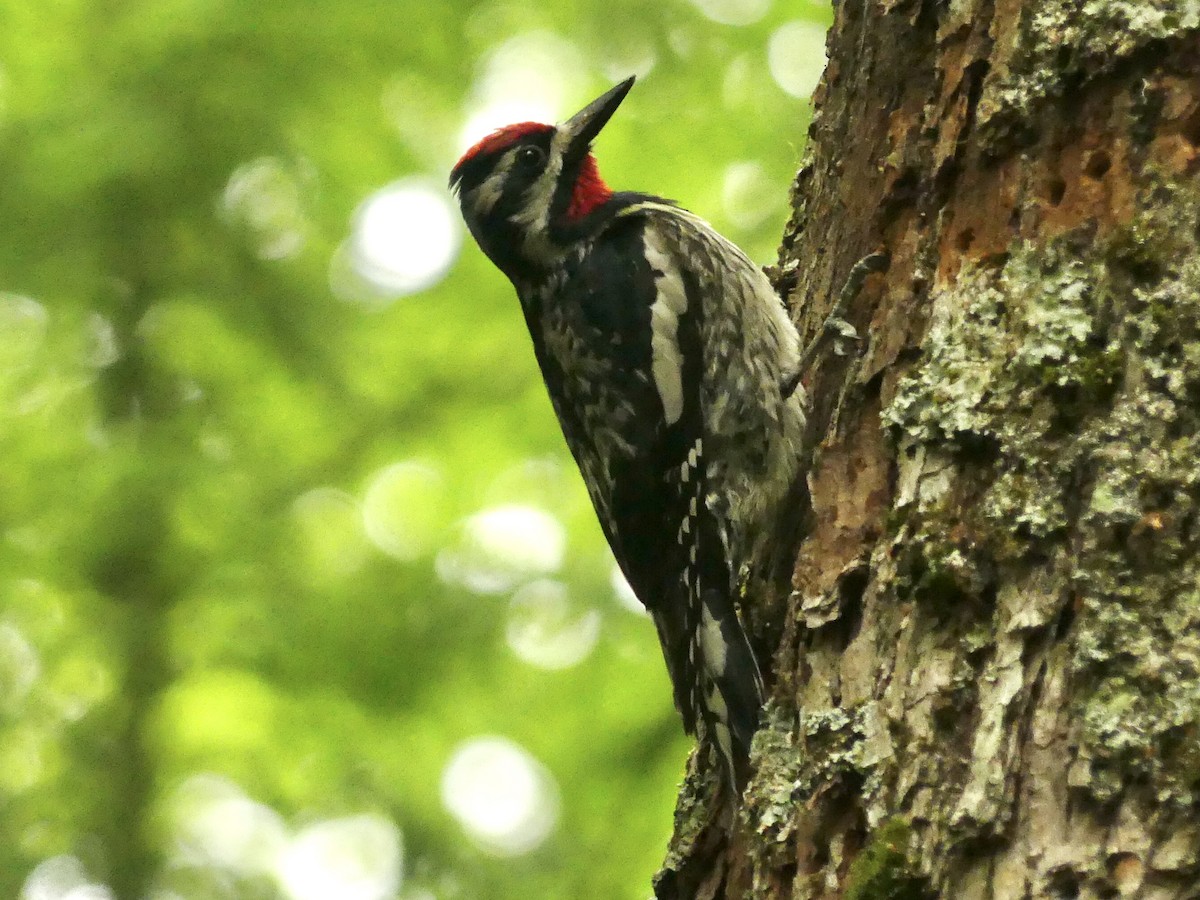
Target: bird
674, 371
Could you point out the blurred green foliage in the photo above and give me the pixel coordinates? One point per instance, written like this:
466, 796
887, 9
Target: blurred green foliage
274, 541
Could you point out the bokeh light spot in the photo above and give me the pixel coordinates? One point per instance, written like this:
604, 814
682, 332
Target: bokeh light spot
265, 198
503, 546
740, 83
89, 892
425, 125
404, 239
215, 823
352, 858
19, 667
62, 878
23, 325
23, 758
529, 78
682, 41
542, 482
505, 800
628, 53
404, 509
749, 197
796, 57
101, 348
546, 630
733, 12
330, 526
79, 683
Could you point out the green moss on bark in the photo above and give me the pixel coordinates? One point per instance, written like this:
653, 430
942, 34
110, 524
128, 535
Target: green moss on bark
882, 870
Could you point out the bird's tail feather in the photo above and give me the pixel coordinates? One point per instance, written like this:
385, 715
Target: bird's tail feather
731, 682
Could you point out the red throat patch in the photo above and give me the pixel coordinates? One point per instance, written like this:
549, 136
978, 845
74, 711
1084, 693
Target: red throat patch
590, 190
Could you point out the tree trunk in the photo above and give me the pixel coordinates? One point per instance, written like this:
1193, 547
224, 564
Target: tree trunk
988, 680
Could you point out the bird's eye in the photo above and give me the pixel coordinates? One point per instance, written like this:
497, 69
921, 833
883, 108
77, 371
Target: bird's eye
530, 157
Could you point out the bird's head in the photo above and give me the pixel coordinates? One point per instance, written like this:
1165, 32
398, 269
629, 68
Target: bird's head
528, 190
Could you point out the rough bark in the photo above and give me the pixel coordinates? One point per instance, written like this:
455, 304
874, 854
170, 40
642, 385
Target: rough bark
988, 678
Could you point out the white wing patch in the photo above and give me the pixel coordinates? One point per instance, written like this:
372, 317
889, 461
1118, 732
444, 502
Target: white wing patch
712, 643
670, 303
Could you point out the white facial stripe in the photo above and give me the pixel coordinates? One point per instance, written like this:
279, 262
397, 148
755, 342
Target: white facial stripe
535, 209
487, 195
558, 146
669, 305
534, 215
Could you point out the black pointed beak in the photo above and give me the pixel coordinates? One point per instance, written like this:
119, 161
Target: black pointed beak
586, 124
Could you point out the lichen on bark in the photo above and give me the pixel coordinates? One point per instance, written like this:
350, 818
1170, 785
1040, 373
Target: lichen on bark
1067, 380
1051, 47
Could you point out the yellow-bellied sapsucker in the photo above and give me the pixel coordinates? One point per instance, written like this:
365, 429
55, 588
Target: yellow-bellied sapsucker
672, 366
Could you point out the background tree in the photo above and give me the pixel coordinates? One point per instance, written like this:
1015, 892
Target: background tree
989, 680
